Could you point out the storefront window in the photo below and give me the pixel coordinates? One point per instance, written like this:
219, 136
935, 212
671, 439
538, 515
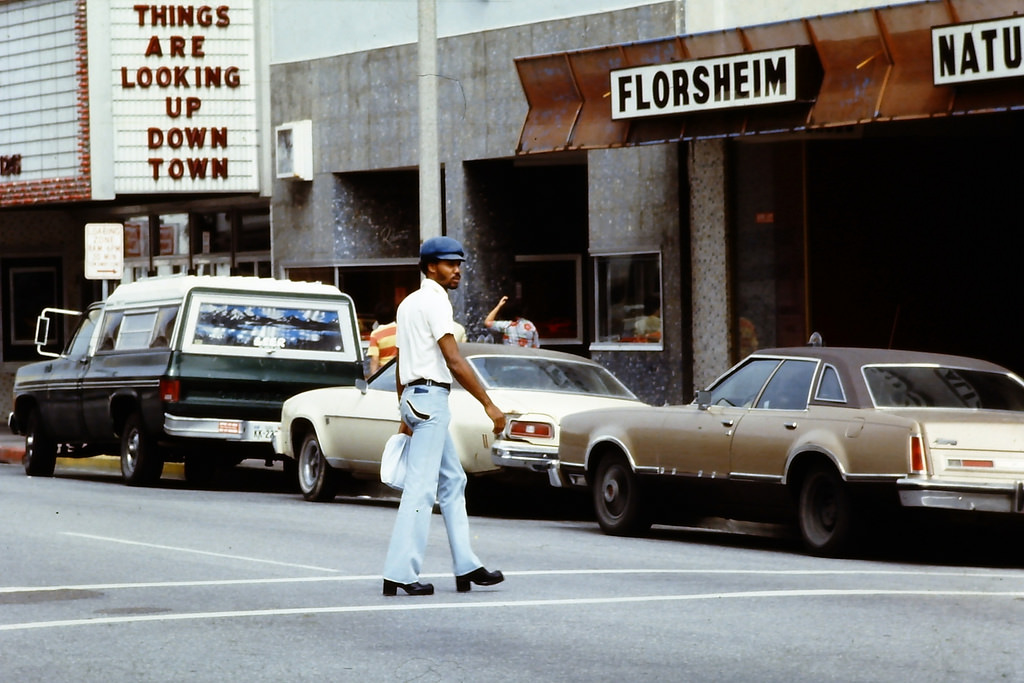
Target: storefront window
212, 243
628, 301
212, 233
254, 232
136, 237
174, 234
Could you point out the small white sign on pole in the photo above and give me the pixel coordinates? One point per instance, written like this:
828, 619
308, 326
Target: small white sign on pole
104, 251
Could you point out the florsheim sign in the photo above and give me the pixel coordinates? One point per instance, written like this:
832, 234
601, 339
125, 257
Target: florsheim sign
743, 80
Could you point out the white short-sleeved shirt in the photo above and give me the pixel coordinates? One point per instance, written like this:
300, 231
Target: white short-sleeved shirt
423, 318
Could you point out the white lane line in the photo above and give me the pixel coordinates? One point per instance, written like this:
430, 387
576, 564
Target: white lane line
403, 604
537, 572
199, 552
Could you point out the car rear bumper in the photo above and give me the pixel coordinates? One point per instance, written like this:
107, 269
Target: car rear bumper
527, 456
249, 431
1006, 497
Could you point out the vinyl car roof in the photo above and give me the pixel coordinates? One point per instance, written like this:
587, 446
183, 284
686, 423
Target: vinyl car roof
858, 357
849, 360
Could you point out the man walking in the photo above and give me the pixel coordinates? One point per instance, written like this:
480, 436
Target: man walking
428, 358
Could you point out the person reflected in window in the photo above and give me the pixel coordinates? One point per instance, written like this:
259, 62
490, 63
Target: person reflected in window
515, 329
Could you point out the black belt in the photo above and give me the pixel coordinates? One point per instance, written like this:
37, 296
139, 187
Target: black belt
429, 383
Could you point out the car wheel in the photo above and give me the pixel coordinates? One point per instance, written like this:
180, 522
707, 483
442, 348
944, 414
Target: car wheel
825, 512
617, 499
141, 461
317, 480
40, 457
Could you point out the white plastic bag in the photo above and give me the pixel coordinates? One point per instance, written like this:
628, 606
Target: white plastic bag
392, 461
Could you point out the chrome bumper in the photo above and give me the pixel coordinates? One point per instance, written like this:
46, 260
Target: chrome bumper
1005, 497
250, 431
526, 456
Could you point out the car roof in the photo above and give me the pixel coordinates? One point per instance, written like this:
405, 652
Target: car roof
174, 287
858, 357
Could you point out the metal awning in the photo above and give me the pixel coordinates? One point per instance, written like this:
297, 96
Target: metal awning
876, 65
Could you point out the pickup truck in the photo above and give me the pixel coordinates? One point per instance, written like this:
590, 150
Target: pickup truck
189, 369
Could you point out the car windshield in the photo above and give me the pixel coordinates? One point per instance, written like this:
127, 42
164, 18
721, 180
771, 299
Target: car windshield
548, 374
895, 386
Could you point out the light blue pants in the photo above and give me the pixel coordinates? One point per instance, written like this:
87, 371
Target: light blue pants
433, 471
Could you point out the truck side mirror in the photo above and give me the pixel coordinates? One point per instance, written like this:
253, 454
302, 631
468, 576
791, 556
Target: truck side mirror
43, 329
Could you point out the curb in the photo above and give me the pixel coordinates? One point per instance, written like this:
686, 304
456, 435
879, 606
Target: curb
11, 455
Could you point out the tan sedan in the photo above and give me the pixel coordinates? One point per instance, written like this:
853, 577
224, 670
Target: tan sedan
327, 434
820, 435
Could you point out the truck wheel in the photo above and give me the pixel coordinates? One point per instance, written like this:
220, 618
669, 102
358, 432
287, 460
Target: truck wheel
617, 499
40, 457
825, 512
141, 461
317, 480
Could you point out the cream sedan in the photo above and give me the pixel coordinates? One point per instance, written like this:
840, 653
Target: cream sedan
329, 433
825, 437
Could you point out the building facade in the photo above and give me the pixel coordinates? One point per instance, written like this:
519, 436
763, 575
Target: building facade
665, 185
744, 176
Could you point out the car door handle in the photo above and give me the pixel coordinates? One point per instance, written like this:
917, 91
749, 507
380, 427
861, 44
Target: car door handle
727, 423
789, 425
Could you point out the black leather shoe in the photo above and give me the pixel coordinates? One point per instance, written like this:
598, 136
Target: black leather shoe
414, 588
480, 577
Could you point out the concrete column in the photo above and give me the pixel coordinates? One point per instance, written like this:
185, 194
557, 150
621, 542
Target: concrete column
709, 260
430, 167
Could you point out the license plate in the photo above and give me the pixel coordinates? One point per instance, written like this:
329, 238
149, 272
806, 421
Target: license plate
263, 431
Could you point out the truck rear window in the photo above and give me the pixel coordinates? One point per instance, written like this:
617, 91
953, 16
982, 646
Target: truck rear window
268, 327
285, 328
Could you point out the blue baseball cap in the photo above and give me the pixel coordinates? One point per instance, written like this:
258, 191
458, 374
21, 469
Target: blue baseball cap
442, 249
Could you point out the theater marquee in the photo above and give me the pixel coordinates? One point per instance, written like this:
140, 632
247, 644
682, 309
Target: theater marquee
184, 97
743, 80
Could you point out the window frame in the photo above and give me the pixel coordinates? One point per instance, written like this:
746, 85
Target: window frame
599, 293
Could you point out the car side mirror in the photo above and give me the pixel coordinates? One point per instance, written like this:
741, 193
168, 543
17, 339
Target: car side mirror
361, 386
702, 397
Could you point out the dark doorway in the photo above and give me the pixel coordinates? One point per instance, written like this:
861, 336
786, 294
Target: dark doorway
915, 239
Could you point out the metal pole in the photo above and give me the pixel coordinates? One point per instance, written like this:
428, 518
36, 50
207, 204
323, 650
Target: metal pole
430, 166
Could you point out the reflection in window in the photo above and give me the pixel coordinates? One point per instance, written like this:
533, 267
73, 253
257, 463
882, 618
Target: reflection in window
830, 388
628, 293
939, 387
136, 330
742, 387
111, 327
545, 374
789, 386
173, 235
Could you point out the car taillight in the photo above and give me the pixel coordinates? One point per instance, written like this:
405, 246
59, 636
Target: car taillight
917, 461
170, 390
531, 430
